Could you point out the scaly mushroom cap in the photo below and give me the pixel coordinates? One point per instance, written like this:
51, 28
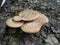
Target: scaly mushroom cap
17, 18
13, 24
29, 15
43, 19
35, 26
31, 27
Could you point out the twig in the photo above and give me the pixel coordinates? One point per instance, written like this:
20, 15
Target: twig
3, 3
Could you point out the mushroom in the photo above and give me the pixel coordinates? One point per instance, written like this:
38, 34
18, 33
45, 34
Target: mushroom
35, 26
43, 19
17, 18
31, 27
35, 21
13, 24
29, 15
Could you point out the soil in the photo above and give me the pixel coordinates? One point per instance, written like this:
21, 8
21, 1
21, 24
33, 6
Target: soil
50, 32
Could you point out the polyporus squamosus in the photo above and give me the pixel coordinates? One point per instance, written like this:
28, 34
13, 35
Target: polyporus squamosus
32, 21
35, 26
29, 15
13, 24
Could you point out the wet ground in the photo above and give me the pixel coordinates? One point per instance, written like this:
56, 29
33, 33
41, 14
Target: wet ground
49, 33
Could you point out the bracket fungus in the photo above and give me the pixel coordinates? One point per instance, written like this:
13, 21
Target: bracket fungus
31, 27
29, 15
32, 21
35, 26
13, 24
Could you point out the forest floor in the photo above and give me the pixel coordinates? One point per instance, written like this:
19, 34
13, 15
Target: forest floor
49, 33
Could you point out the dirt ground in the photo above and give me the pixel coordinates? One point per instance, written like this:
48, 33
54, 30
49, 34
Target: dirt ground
49, 33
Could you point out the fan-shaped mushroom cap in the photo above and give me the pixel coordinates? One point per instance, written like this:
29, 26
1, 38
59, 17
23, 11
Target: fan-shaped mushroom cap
31, 27
17, 18
43, 19
35, 26
13, 24
29, 15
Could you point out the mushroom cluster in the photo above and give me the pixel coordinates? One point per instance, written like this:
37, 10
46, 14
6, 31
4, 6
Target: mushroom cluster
30, 21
